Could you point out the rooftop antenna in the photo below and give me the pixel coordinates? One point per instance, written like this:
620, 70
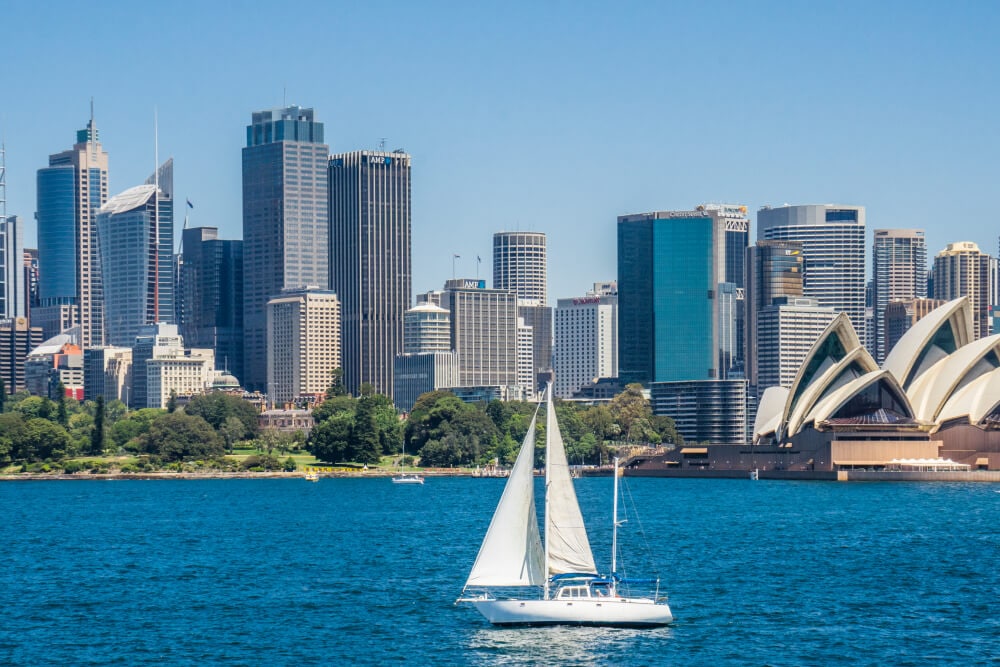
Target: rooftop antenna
381, 144
284, 96
156, 214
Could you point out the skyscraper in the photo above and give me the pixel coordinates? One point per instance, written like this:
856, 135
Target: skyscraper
484, 333
833, 243
774, 271
961, 269
899, 271
285, 220
428, 361
212, 299
15, 291
370, 260
520, 265
70, 191
303, 343
586, 341
136, 234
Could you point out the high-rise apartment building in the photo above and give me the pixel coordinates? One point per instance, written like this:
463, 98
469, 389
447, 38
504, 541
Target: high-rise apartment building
303, 343
370, 260
31, 279
899, 273
428, 361
520, 264
136, 234
786, 331
586, 347
211, 286
17, 340
484, 332
285, 220
774, 272
426, 328
901, 315
70, 191
962, 269
833, 244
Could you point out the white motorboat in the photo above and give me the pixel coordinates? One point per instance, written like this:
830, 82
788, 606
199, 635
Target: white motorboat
406, 477
559, 581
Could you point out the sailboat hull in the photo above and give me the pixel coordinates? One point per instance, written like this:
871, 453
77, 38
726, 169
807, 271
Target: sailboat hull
611, 612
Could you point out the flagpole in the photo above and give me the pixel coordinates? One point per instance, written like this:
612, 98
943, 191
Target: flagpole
453, 258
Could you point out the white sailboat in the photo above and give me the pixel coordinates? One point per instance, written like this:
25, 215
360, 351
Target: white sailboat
404, 477
561, 574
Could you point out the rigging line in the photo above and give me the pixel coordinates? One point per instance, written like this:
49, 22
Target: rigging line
642, 530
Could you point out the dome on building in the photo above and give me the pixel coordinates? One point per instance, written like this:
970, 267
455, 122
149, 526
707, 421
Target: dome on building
225, 381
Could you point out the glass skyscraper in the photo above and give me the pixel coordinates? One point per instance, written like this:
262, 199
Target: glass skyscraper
136, 233
69, 191
285, 220
370, 261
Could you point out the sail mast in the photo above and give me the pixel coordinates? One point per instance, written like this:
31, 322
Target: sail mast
548, 453
614, 524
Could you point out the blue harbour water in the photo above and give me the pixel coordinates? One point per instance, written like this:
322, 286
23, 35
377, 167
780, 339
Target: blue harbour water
364, 572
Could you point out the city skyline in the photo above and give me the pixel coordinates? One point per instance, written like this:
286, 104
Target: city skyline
890, 140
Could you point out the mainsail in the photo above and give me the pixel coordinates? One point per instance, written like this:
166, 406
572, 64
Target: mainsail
511, 553
565, 534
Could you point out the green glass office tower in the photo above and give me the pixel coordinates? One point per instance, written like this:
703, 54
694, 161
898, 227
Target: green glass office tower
285, 223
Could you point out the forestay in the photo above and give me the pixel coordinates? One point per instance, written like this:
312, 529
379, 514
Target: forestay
565, 534
511, 553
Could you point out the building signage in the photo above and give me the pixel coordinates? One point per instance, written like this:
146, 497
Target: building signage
586, 300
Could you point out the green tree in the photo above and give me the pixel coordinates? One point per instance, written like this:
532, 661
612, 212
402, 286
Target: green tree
11, 435
3, 396
43, 439
34, 407
667, 430
336, 387
364, 436
114, 411
177, 436
330, 440
232, 430
631, 411
97, 434
216, 407
127, 432
62, 415
172, 401
333, 406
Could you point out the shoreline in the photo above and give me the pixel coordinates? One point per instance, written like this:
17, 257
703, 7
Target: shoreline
85, 476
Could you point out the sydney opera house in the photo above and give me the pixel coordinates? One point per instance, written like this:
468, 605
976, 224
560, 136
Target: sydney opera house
935, 401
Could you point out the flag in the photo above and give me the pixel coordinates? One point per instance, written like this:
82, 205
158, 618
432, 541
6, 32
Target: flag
190, 205
456, 256
478, 258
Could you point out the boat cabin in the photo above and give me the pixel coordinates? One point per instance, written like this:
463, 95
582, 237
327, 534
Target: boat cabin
595, 589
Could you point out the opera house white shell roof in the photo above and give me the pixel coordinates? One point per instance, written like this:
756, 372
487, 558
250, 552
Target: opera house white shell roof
934, 374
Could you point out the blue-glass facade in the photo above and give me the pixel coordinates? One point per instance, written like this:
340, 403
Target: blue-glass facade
56, 188
684, 293
666, 299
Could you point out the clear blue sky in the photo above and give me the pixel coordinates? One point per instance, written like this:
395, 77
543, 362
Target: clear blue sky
548, 116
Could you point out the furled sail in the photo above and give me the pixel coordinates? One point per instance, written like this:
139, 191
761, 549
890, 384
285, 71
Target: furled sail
511, 553
565, 534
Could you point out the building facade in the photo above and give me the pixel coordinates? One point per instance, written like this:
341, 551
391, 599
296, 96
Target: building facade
70, 191
520, 264
962, 269
833, 244
786, 331
178, 373
17, 339
704, 411
14, 291
370, 260
417, 373
135, 230
586, 334
107, 372
484, 332
426, 328
774, 273
211, 284
153, 341
303, 343
899, 273
901, 315
285, 220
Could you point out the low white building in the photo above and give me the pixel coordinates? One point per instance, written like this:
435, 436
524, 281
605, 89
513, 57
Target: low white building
178, 371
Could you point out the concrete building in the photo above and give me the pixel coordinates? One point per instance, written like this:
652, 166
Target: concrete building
70, 191
417, 373
212, 296
704, 411
774, 274
426, 328
833, 243
135, 230
520, 265
901, 315
152, 342
961, 269
484, 332
285, 220
14, 291
56, 360
31, 277
303, 343
17, 339
899, 273
586, 346
526, 375
107, 372
786, 331
180, 373
370, 261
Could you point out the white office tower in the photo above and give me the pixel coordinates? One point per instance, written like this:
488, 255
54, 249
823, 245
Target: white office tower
303, 343
525, 358
519, 265
178, 372
586, 333
833, 243
428, 362
899, 272
786, 331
